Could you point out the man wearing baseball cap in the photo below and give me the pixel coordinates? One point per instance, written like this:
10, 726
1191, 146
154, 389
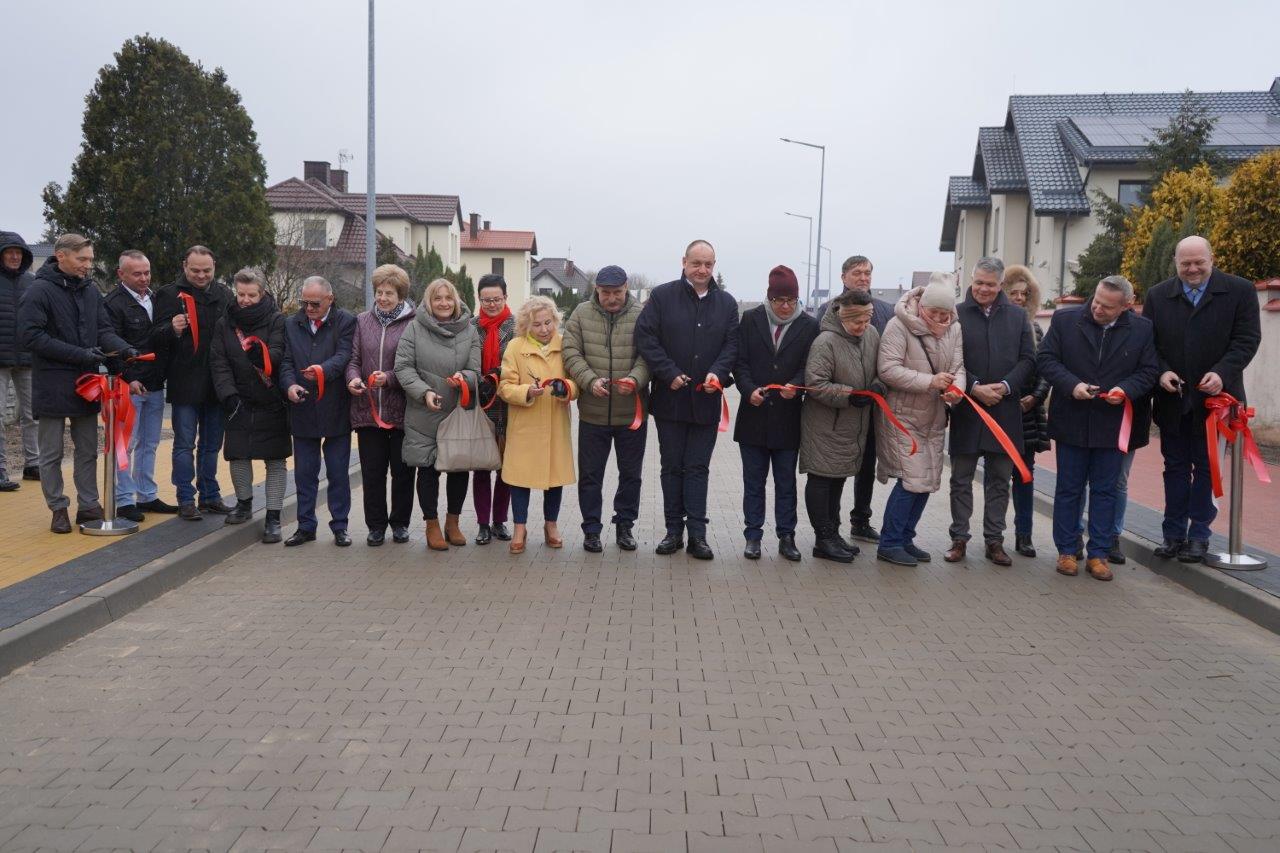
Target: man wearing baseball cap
601, 356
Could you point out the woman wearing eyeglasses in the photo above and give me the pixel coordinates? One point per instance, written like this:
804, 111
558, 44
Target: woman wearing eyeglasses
497, 327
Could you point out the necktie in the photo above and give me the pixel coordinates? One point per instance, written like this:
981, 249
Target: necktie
777, 335
1195, 296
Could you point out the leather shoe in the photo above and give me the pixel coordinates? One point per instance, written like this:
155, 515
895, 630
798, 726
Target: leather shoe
300, 536
591, 543
342, 539
93, 513
7, 485
1098, 568
921, 555
61, 521
1193, 551
189, 512
997, 554
1169, 549
1022, 544
864, 531
787, 549
499, 531
1067, 565
215, 507
1116, 556
670, 543
31, 472
159, 507
375, 538
399, 535
751, 551
483, 535
626, 541
131, 512
699, 549
956, 553
827, 547
896, 556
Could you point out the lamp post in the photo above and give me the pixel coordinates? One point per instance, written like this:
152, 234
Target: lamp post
822, 184
371, 207
808, 256
822, 249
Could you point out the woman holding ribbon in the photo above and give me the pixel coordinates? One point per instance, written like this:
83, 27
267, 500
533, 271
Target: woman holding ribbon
835, 421
921, 363
438, 352
377, 406
245, 354
497, 326
539, 451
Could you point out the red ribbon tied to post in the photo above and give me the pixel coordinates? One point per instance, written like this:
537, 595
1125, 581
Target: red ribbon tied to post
94, 388
1010, 449
713, 382
1126, 420
193, 318
876, 398
1229, 418
628, 382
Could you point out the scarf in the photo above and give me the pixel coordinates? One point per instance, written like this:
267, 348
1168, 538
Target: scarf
386, 318
491, 353
252, 316
775, 320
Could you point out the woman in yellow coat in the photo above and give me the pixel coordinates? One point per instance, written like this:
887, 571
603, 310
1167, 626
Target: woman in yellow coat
536, 388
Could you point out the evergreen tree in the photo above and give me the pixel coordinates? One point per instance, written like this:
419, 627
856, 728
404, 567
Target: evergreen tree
1181, 145
1157, 260
169, 159
1104, 254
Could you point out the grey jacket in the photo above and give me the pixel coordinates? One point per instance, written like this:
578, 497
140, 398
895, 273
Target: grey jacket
430, 352
597, 345
833, 434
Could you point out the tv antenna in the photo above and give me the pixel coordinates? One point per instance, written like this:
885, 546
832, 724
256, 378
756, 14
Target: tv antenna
344, 157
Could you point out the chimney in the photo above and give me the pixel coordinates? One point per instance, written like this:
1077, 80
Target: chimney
474, 227
486, 225
318, 169
338, 179
569, 268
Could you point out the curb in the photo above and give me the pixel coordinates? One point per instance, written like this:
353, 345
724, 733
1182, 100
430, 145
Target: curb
36, 637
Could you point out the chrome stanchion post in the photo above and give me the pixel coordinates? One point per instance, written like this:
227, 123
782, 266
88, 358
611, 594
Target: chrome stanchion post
109, 525
1235, 558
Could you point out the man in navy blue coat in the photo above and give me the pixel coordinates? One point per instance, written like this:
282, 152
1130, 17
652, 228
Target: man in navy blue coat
1093, 356
688, 335
319, 338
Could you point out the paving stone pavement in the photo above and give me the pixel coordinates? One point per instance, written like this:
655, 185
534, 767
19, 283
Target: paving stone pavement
322, 698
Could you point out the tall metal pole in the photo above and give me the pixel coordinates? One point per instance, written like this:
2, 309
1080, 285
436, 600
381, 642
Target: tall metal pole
822, 186
808, 249
1235, 557
371, 206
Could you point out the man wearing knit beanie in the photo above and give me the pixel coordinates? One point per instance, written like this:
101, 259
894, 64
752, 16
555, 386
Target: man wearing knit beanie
773, 346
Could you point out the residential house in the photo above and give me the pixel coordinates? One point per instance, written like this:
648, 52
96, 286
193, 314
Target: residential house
1028, 198
507, 253
553, 276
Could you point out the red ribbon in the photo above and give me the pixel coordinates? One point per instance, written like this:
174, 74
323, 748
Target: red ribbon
1010, 448
146, 356
1229, 418
1126, 421
247, 343
638, 420
879, 401
713, 382
371, 393
193, 318
94, 388
464, 391
319, 380
493, 377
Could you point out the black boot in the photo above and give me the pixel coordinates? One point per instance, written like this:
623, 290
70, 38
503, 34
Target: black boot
243, 512
483, 535
1022, 544
626, 541
787, 549
830, 547
271, 529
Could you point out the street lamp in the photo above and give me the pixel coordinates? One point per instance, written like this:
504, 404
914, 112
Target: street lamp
822, 184
371, 207
808, 256
829, 265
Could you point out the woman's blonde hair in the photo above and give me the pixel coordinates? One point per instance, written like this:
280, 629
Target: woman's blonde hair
533, 305
393, 275
1019, 274
443, 284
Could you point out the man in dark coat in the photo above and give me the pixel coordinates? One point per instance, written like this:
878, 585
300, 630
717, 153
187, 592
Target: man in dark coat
999, 358
1094, 356
319, 340
688, 335
196, 415
15, 360
773, 346
1208, 329
63, 322
131, 307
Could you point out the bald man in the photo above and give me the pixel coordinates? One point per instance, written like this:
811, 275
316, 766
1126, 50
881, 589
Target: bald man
1207, 330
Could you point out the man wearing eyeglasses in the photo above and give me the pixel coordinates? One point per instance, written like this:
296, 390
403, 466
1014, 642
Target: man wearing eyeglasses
773, 347
855, 273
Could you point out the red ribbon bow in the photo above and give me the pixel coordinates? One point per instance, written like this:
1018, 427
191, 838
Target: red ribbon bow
1126, 420
193, 318
1229, 418
879, 401
713, 382
95, 388
1010, 449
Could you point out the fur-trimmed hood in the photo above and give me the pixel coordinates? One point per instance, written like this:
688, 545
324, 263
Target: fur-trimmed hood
1018, 273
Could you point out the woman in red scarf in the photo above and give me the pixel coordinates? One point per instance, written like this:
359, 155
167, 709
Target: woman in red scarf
497, 327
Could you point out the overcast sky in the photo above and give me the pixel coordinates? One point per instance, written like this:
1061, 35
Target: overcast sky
624, 131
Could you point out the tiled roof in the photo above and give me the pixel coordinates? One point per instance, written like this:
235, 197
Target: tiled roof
297, 194
314, 195
962, 192
350, 247
499, 241
998, 162
558, 269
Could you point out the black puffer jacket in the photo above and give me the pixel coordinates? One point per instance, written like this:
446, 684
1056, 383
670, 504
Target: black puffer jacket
187, 374
131, 322
61, 319
13, 283
1035, 425
257, 415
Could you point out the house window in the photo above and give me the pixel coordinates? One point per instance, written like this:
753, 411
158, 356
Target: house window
1130, 193
497, 265
314, 234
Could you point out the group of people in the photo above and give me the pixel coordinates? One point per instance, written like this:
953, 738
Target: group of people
861, 389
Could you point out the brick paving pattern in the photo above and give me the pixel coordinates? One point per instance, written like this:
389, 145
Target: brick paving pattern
317, 698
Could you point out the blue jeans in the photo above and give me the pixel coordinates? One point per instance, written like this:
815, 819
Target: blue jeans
306, 477
1122, 496
192, 465
1098, 468
901, 515
1024, 497
1188, 490
137, 484
755, 475
520, 504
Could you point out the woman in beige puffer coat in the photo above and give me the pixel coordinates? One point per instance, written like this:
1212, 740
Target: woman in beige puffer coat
921, 355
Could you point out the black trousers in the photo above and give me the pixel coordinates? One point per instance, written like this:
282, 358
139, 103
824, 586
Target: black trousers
594, 443
865, 480
685, 452
822, 501
380, 451
455, 491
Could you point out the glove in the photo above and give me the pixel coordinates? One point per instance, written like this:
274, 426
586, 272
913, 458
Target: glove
859, 401
230, 404
93, 357
878, 387
128, 353
559, 388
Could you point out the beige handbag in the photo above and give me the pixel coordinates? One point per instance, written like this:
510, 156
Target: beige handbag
466, 442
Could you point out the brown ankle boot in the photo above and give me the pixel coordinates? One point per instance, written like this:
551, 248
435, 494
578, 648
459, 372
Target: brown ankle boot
956, 553
435, 540
452, 532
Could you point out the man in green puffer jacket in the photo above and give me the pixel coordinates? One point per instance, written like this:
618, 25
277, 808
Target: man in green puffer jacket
601, 356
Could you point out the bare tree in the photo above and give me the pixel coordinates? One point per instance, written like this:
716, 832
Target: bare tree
295, 261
